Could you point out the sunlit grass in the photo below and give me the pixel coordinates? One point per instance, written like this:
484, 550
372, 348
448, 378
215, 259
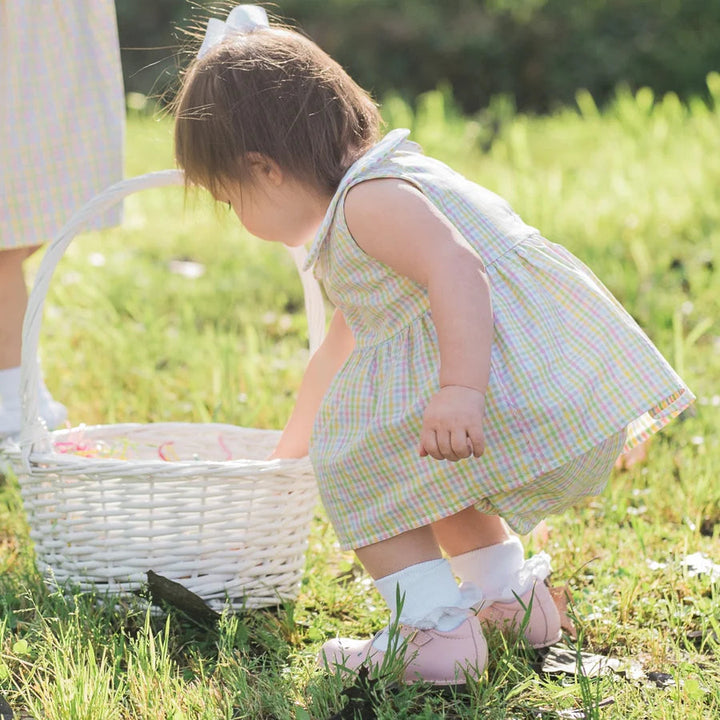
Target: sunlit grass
634, 191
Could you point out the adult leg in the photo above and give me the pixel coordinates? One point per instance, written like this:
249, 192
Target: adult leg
13, 303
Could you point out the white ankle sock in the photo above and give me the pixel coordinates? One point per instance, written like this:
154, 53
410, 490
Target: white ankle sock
54, 413
499, 571
10, 387
429, 594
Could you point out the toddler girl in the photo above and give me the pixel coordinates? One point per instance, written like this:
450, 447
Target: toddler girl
474, 376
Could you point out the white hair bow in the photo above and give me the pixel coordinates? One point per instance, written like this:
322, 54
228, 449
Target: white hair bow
242, 19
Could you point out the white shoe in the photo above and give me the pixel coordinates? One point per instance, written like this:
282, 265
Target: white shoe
51, 411
9, 421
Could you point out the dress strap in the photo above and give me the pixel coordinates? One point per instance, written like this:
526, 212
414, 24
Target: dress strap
387, 145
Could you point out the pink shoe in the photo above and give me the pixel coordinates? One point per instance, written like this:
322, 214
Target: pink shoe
432, 656
543, 624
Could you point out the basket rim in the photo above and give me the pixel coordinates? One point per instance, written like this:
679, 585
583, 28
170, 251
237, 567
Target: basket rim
34, 441
81, 464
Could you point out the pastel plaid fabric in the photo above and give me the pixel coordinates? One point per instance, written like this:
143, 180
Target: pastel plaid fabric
572, 375
62, 114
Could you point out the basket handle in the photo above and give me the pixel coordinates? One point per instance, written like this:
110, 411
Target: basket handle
33, 432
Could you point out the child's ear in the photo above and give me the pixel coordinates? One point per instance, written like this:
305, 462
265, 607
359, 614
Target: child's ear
266, 167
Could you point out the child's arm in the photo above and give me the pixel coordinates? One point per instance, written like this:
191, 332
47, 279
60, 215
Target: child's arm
394, 222
321, 369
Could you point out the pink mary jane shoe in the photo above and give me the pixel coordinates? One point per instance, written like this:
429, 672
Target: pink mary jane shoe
431, 656
543, 623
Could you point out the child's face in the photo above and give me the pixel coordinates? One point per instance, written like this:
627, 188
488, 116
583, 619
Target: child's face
276, 208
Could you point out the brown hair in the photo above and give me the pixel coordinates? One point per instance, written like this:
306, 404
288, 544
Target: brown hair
271, 91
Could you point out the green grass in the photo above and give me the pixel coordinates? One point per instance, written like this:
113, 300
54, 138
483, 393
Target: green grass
634, 191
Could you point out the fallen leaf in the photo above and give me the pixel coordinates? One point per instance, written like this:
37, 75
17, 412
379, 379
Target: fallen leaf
362, 696
162, 590
562, 660
573, 713
699, 637
661, 679
699, 564
6, 712
583, 714
632, 669
708, 525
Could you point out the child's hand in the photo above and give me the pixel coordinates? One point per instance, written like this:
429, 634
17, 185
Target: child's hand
453, 424
284, 451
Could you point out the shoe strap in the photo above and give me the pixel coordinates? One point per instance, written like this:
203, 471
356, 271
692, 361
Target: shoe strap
415, 636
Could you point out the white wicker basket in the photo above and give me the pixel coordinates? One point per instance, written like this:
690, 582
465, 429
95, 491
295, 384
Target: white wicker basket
233, 531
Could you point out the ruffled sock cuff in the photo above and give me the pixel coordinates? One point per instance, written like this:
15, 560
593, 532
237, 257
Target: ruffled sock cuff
499, 572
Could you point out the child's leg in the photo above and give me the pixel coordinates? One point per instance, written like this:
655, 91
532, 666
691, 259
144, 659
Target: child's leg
410, 566
443, 638
496, 577
399, 552
469, 530
482, 552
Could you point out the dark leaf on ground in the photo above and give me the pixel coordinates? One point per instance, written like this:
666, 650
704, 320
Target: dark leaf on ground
661, 679
360, 695
5, 712
164, 591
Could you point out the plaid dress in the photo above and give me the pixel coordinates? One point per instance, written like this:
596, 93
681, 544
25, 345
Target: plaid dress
573, 379
62, 114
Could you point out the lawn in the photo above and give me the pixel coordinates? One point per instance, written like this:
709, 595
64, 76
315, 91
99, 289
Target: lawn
180, 315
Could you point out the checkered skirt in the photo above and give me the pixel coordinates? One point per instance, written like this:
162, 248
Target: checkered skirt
62, 114
573, 379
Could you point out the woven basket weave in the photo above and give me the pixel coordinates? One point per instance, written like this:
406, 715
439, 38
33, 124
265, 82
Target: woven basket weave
233, 531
